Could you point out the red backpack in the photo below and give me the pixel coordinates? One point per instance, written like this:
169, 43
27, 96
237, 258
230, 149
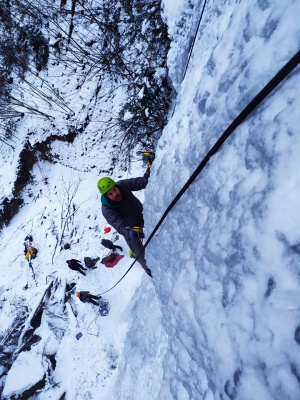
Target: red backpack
111, 260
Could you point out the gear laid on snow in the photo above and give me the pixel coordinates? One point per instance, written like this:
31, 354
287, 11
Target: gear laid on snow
76, 265
111, 260
90, 262
109, 245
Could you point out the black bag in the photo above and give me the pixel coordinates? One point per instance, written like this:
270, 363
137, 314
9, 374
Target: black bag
90, 262
109, 245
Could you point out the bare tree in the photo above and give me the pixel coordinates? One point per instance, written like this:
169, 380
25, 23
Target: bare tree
66, 196
68, 206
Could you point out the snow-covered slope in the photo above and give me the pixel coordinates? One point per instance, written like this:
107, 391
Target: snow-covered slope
220, 319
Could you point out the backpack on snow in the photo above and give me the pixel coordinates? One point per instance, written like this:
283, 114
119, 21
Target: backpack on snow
111, 260
90, 262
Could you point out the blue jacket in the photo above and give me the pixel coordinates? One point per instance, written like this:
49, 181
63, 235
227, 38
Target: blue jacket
129, 212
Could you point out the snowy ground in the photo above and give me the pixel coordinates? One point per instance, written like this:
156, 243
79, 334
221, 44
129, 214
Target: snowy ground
220, 319
41, 217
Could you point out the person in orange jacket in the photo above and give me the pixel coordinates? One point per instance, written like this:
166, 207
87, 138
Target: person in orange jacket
87, 297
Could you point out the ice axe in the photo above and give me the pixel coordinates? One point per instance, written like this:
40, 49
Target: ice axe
148, 156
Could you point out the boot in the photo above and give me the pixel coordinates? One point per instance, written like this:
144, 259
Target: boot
148, 272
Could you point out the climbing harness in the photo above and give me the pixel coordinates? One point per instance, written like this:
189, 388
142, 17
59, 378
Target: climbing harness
140, 234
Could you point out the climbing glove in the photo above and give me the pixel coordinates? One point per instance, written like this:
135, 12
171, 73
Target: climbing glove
136, 232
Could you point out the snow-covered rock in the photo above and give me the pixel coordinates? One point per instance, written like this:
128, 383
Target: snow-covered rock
27, 372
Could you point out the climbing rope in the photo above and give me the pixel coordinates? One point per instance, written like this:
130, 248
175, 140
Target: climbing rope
193, 42
191, 49
122, 276
254, 103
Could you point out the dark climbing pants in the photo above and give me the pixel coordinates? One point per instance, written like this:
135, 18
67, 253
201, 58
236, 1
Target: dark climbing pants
78, 268
136, 246
92, 299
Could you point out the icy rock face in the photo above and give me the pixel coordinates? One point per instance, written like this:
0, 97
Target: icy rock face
140, 372
226, 260
182, 22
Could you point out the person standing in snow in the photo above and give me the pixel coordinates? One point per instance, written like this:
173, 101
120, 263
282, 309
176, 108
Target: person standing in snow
30, 251
76, 265
124, 211
87, 297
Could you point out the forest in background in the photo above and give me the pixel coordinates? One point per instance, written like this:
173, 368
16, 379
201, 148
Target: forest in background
121, 42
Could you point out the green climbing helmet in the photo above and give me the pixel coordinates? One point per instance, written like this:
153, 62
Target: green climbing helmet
105, 184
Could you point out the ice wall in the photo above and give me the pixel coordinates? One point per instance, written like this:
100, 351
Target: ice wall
224, 304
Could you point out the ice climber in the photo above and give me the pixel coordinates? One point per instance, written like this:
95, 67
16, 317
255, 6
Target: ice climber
87, 297
76, 265
124, 211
